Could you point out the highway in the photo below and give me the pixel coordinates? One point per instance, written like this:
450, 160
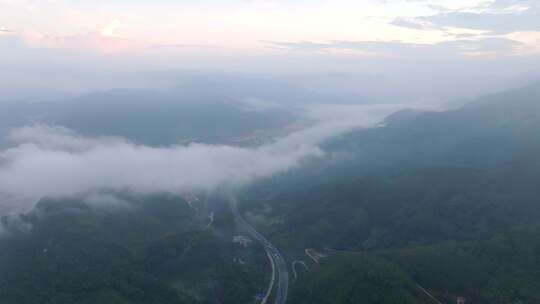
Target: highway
428, 294
277, 261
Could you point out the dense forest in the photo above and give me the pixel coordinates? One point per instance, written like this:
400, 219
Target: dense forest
153, 250
446, 201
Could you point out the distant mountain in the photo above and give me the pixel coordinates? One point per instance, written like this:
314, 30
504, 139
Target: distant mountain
150, 117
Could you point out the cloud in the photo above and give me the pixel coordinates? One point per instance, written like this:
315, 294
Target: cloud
369, 48
111, 28
47, 137
413, 23
483, 46
13, 223
257, 104
3, 29
490, 45
495, 23
106, 201
103, 42
54, 162
185, 46
497, 17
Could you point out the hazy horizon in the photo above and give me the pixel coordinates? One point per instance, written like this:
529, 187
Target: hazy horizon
415, 49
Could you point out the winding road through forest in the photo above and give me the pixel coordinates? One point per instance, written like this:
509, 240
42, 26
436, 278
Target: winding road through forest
277, 262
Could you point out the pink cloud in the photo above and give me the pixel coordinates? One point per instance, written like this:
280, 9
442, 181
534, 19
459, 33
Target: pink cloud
100, 41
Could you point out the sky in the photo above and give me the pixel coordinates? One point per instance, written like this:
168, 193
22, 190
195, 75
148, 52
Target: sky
256, 24
67, 38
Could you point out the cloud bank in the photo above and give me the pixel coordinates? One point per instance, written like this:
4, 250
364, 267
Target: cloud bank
447, 49
53, 161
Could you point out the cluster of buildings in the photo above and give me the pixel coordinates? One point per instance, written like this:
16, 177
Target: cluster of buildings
242, 240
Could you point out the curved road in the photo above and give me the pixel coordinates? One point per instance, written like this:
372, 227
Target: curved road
276, 259
293, 267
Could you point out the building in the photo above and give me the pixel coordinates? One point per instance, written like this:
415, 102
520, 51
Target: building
242, 240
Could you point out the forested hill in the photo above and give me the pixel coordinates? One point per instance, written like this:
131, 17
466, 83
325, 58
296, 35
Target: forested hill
447, 200
491, 129
150, 117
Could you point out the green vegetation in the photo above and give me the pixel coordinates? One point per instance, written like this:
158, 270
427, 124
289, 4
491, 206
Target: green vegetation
357, 278
153, 251
440, 203
455, 231
446, 200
